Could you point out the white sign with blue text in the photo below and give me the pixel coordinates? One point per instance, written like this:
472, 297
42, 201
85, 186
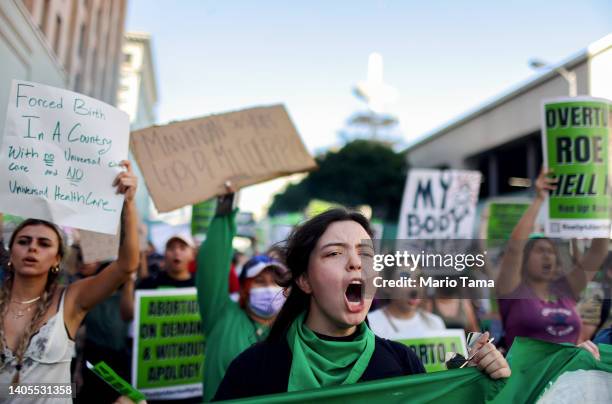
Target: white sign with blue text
439, 204
59, 157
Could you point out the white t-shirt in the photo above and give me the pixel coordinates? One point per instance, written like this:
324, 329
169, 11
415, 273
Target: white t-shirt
395, 328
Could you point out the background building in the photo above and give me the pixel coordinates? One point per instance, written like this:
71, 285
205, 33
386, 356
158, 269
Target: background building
137, 96
71, 44
502, 138
86, 38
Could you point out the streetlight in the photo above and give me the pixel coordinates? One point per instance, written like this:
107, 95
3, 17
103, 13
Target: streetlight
569, 76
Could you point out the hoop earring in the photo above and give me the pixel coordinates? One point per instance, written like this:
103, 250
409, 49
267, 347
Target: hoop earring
9, 265
55, 269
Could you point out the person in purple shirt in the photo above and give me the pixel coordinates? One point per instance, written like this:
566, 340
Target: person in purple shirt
537, 298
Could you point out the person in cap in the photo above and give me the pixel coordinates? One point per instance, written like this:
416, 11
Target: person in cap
180, 251
231, 327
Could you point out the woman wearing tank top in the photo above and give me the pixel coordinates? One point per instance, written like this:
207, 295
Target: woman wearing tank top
39, 319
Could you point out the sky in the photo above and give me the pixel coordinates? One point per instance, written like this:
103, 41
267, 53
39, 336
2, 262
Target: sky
443, 57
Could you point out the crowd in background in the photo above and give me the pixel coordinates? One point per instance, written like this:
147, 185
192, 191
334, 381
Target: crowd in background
240, 298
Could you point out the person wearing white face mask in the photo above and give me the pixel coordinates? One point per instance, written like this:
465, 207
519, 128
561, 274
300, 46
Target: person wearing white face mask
231, 327
260, 295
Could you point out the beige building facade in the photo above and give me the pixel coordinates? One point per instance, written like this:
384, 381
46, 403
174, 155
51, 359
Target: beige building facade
86, 38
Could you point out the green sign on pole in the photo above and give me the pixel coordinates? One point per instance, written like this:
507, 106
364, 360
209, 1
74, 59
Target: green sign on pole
201, 216
168, 344
576, 144
106, 373
432, 349
502, 218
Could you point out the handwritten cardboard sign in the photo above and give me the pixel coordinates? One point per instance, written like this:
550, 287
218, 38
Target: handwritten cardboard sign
439, 204
188, 162
98, 247
59, 157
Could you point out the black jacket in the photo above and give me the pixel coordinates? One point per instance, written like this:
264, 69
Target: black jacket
264, 368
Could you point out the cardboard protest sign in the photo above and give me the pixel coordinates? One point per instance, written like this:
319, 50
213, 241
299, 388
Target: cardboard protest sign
98, 247
576, 145
60, 154
188, 162
431, 348
168, 349
439, 204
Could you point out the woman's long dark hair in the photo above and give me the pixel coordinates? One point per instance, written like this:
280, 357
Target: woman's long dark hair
299, 246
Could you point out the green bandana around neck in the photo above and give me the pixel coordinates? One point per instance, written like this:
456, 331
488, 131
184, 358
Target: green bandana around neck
321, 363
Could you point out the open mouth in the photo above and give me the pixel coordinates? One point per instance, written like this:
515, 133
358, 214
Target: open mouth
30, 260
354, 296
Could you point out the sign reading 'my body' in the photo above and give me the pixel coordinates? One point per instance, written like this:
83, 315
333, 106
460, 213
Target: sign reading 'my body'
576, 144
60, 154
188, 162
439, 204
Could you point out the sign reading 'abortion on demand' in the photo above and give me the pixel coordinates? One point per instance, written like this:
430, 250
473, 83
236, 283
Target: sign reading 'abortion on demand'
60, 155
439, 204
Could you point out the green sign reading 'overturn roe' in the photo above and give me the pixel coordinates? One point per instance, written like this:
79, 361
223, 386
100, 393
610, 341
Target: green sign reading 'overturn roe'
576, 142
431, 350
168, 344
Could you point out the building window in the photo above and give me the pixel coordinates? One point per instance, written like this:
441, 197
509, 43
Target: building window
82, 41
45, 15
127, 58
58, 34
77, 82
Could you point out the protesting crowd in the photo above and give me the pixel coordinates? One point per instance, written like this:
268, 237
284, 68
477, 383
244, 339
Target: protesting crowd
206, 322
300, 320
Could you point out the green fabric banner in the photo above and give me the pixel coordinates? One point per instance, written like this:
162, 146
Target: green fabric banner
535, 365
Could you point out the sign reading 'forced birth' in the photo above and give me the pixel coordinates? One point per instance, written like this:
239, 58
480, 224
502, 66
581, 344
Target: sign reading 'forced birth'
168, 344
188, 162
60, 154
576, 144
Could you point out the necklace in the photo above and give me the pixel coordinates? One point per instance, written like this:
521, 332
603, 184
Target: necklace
18, 313
26, 301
